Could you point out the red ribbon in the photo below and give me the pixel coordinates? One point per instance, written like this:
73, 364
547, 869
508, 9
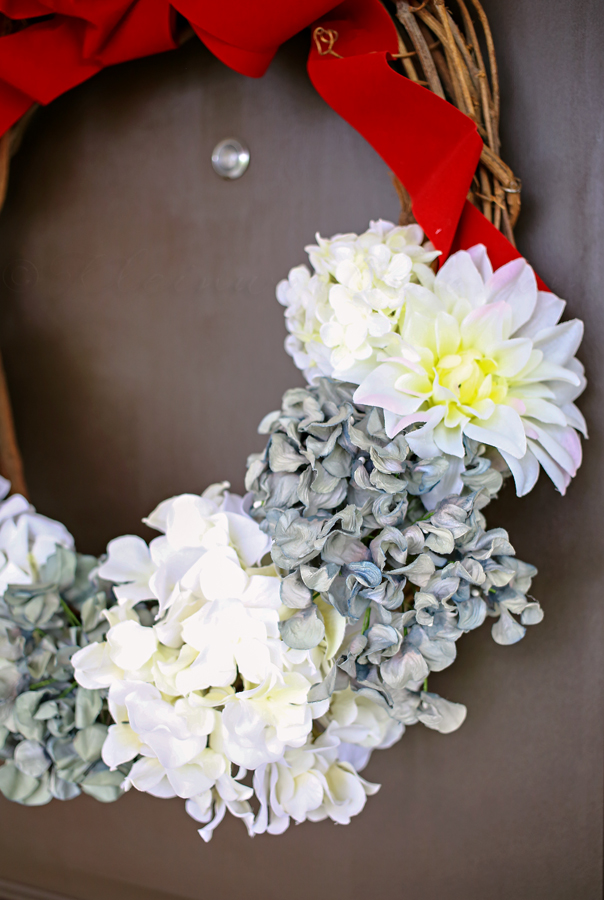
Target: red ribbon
431, 146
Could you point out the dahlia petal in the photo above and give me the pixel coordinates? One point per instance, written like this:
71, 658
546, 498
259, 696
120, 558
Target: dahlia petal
418, 330
394, 424
524, 470
447, 334
512, 356
544, 411
378, 390
560, 343
479, 256
546, 314
486, 327
449, 440
565, 392
549, 371
515, 284
423, 300
422, 441
557, 474
562, 444
503, 430
574, 417
460, 279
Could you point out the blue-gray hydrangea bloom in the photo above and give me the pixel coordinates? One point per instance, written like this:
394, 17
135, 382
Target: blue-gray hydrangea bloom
343, 505
51, 730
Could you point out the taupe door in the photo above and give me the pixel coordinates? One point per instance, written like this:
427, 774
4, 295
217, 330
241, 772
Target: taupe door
143, 344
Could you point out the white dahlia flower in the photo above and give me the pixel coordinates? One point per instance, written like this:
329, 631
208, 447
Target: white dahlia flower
212, 684
481, 355
345, 313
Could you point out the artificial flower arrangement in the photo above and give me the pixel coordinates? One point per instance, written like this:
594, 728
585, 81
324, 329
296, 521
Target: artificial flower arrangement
256, 652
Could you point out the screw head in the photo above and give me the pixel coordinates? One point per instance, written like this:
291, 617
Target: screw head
230, 158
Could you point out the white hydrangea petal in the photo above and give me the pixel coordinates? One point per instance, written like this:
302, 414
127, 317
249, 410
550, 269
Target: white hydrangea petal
94, 668
358, 757
127, 560
121, 745
131, 645
220, 576
250, 542
164, 583
148, 775
189, 780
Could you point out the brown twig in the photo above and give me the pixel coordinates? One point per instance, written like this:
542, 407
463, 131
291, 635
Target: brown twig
448, 59
11, 464
406, 216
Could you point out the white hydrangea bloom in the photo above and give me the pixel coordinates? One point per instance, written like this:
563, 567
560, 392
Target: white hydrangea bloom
212, 685
27, 539
205, 543
481, 354
310, 783
342, 317
361, 726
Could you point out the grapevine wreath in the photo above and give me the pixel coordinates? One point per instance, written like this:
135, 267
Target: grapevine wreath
252, 656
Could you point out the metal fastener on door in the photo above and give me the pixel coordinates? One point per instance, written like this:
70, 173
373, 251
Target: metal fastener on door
230, 158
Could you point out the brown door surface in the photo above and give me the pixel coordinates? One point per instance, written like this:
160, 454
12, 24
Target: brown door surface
143, 344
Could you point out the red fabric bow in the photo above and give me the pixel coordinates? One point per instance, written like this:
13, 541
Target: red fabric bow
431, 146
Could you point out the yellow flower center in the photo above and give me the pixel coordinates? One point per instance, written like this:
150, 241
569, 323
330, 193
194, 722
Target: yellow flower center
471, 377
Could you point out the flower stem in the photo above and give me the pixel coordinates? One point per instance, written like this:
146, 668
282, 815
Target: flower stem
67, 690
71, 616
367, 618
41, 684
